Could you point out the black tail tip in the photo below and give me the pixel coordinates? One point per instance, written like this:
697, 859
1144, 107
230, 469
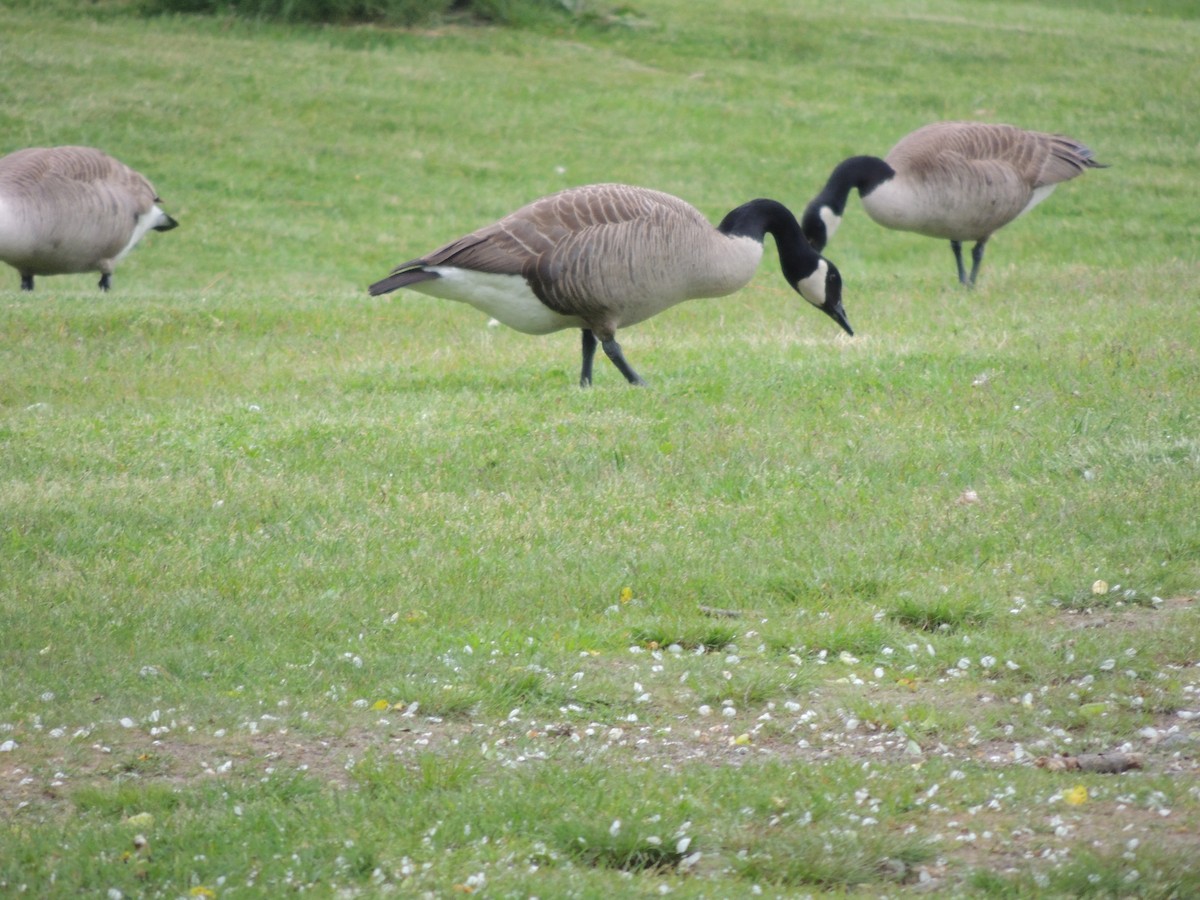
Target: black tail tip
399, 279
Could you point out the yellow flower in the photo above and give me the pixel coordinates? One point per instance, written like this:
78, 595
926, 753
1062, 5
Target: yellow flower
1076, 796
380, 705
741, 740
202, 891
626, 594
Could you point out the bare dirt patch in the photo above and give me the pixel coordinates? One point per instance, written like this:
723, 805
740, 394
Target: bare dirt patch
1131, 616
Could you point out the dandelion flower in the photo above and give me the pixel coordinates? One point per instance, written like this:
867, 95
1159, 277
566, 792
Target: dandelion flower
1076, 796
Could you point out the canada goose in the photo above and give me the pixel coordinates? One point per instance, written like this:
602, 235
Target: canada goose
957, 180
72, 209
604, 256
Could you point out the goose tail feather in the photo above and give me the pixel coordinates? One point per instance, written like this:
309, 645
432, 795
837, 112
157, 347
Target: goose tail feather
401, 278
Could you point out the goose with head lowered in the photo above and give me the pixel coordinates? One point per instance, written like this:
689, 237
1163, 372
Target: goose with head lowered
604, 256
72, 209
961, 181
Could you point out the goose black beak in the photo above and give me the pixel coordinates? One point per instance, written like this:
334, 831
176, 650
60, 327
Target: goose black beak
835, 312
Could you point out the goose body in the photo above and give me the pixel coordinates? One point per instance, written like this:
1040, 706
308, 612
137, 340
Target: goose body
72, 209
605, 256
961, 181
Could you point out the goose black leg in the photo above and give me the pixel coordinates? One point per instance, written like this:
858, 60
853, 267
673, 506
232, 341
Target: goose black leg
105, 282
27, 282
977, 260
613, 349
956, 246
589, 353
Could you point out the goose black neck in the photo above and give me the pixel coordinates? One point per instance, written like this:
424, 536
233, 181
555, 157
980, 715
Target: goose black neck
759, 217
864, 173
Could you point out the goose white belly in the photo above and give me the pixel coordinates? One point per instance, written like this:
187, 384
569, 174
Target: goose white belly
507, 298
962, 212
1039, 194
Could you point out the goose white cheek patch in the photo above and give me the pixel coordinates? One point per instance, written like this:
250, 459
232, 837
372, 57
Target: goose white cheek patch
145, 222
832, 220
812, 287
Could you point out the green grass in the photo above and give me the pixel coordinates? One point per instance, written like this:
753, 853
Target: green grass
319, 591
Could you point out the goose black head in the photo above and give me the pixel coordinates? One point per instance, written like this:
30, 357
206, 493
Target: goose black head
812, 276
823, 289
818, 223
823, 215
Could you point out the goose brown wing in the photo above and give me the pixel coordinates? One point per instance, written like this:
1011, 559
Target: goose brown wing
1065, 159
550, 241
595, 248
94, 170
1039, 159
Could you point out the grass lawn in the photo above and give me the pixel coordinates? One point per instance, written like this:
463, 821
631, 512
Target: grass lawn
306, 590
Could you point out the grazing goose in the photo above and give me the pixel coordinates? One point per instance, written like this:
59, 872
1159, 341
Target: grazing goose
604, 256
957, 180
72, 209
